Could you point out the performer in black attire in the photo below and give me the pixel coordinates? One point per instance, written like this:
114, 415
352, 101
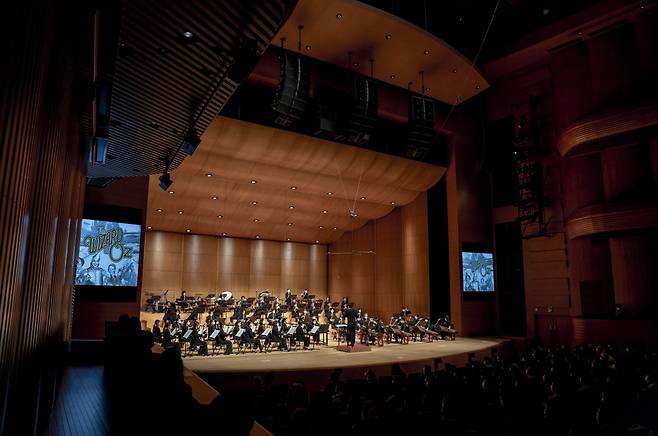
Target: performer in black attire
157, 334
221, 340
249, 338
350, 317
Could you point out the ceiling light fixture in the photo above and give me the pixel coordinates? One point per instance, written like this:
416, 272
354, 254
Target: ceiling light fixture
317, 242
363, 198
223, 233
220, 216
287, 239
253, 182
148, 227
388, 36
454, 70
254, 203
257, 236
188, 230
392, 76
393, 203
426, 52
188, 34
293, 187
477, 86
325, 211
209, 174
291, 207
180, 212
256, 220
290, 224
172, 192
339, 16
330, 193
322, 227
158, 210
335, 228
214, 197
308, 48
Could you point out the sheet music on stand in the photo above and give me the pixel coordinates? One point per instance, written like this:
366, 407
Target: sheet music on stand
187, 334
267, 331
315, 329
239, 333
214, 334
291, 330
174, 332
339, 326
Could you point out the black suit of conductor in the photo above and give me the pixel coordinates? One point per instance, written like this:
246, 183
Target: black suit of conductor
350, 315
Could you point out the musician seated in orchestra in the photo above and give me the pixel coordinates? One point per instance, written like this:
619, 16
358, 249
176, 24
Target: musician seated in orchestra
305, 295
248, 338
309, 326
300, 335
278, 334
288, 297
221, 340
196, 339
157, 333
343, 303
405, 311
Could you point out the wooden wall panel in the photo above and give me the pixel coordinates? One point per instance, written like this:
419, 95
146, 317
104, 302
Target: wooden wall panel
42, 173
163, 264
317, 270
415, 255
398, 272
388, 265
201, 265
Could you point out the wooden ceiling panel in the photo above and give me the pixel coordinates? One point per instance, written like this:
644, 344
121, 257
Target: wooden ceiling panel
400, 50
236, 152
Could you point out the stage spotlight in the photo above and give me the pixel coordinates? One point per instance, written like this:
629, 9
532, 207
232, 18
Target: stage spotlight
190, 143
165, 181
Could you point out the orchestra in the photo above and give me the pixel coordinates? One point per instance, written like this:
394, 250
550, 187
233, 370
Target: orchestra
265, 322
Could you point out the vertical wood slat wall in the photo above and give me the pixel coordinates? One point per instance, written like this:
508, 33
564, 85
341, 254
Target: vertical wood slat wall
42, 180
396, 275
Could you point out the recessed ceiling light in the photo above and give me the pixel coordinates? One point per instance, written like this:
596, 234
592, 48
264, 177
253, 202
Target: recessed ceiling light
220, 216
291, 207
330, 193
477, 86
172, 192
158, 210
287, 239
208, 174
293, 187
180, 212
317, 242
426, 52
393, 203
253, 182
188, 230
392, 76
325, 211
363, 198
335, 228
256, 220
454, 70
290, 224
388, 36
148, 227
254, 203
257, 236
322, 227
308, 47
223, 233
339, 16
214, 197
428, 89
188, 34
356, 64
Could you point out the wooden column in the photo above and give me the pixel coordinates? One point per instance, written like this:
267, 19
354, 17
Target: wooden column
416, 255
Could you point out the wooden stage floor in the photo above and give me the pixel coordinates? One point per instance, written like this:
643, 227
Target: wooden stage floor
327, 357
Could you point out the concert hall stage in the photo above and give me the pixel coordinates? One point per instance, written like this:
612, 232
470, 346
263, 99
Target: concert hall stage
314, 366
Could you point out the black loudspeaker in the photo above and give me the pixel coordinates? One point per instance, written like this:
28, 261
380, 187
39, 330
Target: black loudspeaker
191, 142
421, 135
292, 95
245, 60
363, 116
